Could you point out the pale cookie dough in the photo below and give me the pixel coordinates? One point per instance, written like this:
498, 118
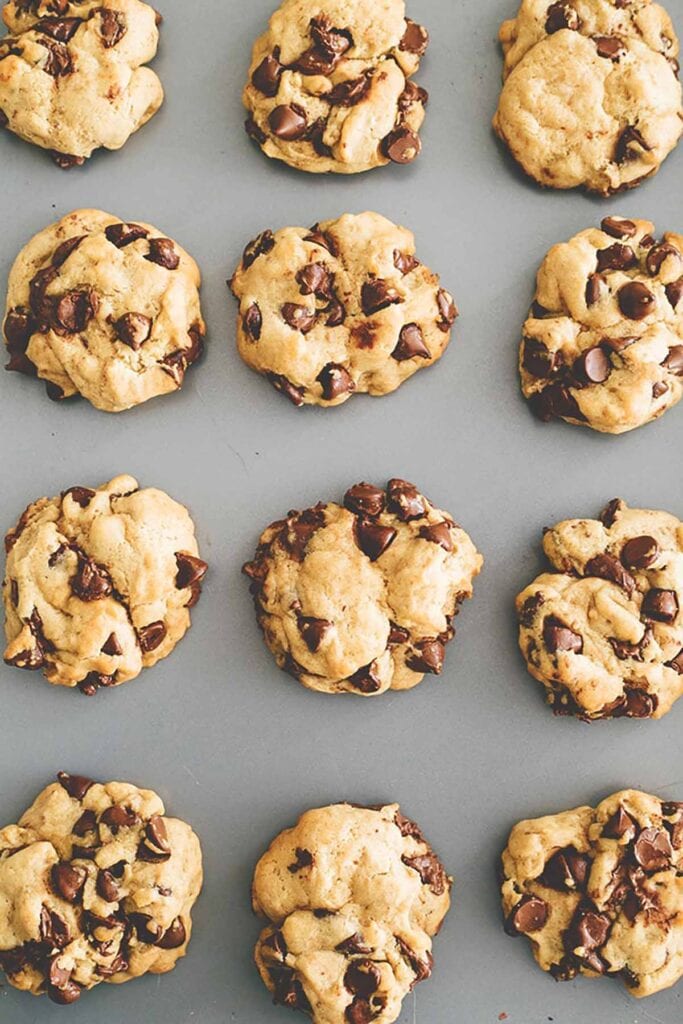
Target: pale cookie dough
72, 77
99, 583
353, 896
583, 108
603, 343
599, 891
330, 89
338, 309
96, 885
360, 598
105, 309
603, 632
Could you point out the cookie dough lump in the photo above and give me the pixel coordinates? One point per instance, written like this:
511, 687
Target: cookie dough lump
99, 583
603, 344
338, 309
330, 85
603, 632
105, 309
353, 896
591, 94
72, 77
96, 885
360, 598
598, 892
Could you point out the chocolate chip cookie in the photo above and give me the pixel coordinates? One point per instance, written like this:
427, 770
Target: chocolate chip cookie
72, 75
105, 309
603, 631
591, 95
603, 343
330, 85
96, 885
598, 890
353, 896
338, 309
99, 583
360, 597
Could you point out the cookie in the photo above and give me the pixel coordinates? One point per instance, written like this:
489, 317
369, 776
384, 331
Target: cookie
353, 896
72, 74
105, 309
603, 631
340, 308
603, 343
581, 108
96, 885
598, 890
99, 583
330, 85
360, 598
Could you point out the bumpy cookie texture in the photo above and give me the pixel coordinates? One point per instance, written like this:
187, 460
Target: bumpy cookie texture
341, 308
72, 77
591, 96
603, 632
603, 344
105, 309
360, 598
330, 87
99, 583
598, 891
353, 896
96, 885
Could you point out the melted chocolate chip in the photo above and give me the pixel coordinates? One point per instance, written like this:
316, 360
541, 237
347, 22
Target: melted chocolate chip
111, 646
252, 322
366, 679
619, 825
372, 538
636, 301
561, 15
365, 500
609, 47
415, 38
593, 366
431, 871
123, 234
68, 881
288, 122
335, 380
566, 869
162, 252
640, 552
652, 849
405, 501
607, 567
285, 387
299, 318
537, 359
133, 329
74, 311
362, 978
594, 286
618, 227
313, 631
259, 246
428, 657
174, 936
404, 262
411, 344
75, 785
377, 294
528, 915
558, 637
401, 146
113, 27
81, 495
353, 946
107, 887
658, 254
150, 636
304, 859
438, 533
616, 257
154, 846
266, 77
660, 605
626, 145
349, 92
91, 581
191, 570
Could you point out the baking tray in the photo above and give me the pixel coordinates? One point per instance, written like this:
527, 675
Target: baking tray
233, 745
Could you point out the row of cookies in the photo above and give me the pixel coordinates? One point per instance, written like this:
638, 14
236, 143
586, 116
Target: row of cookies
98, 884
110, 310
591, 94
99, 583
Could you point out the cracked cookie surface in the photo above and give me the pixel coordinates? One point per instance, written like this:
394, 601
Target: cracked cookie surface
603, 632
591, 96
72, 78
603, 343
360, 597
330, 87
598, 890
105, 309
354, 896
97, 885
99, 583
338, 309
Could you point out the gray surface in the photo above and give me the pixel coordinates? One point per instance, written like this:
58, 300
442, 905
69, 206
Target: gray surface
233, 745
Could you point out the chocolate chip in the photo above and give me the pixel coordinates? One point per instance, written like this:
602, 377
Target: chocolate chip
405, 500
619, 825
626, 142
133, 329
365, 500
288, 990
329, 46
354, 945
415, 38
18, 327
259, 246
107, 888
638, 704
366, 679
313, 631
68, 881
288, 122
113, 27
81, 495
537, 359
593, 365
408, 828
162, 252
86, 823
528, 611
65, 161
61, 29
616, 257
528, 915
298, 317
123, 234
266, 77
92, 682
674, 810
377, 294
63, 251
594, 287
69, 993
58, 62
588, 931
618, 345
53, 929
362, 978
610, 47
636, 301
372, 538
618, 227
610, 512
253, 131
660, 605
428, 657
404, 262
318, 237
566, 869
75, 785
350, 92
304, 859
431, 871
174, 936
252, 322
410, 344
146, 928
335, 380
150, 636
76, 309
191, 570
154, 846
640, 552
674, 360
607, 567
558, 637
117, 816
561, 15
111, 646
401, 146
438, 533
315, 279
411, 95
285, 387
674, 292
447, 309
91, 581
652, 849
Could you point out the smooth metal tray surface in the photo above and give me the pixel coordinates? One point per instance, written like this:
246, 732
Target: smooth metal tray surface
232, 744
